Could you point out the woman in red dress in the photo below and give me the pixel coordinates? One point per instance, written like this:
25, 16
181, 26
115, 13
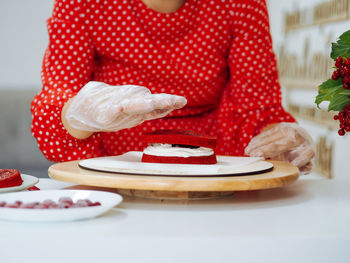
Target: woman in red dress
217, 54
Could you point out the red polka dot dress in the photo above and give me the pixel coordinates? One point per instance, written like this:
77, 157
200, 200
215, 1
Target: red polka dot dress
218, 54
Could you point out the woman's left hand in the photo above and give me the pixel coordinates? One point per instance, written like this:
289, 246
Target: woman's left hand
284, 142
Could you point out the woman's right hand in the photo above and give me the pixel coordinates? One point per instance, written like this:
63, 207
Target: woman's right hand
102, 107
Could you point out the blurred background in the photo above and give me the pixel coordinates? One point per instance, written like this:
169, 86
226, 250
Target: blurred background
302, 32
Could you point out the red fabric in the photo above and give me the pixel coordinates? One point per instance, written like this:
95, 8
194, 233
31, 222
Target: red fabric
218, 54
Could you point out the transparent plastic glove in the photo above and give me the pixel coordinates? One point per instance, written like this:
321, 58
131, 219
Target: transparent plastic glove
284, 142
102, 107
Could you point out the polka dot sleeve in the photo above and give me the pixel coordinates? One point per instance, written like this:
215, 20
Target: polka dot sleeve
67, 66
252, 98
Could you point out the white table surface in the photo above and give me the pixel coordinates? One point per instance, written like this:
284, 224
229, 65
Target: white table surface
308, 221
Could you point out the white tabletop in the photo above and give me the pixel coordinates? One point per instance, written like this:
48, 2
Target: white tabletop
308, 221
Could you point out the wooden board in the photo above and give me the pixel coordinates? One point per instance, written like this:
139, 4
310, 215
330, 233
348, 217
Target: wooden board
282, 174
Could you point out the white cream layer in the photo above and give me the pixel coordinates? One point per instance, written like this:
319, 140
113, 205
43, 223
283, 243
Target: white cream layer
162, 149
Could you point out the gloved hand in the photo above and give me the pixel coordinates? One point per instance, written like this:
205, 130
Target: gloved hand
102, 107
284, 142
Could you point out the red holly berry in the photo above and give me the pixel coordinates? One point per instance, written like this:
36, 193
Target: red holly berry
336, 74
347, 62
344, 120
346, 70
346, 79
346, 85
339, 62
342, 73
341, 132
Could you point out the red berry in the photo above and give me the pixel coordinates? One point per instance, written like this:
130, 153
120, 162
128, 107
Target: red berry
341, 73
53, 206
336, 117
347, 128
347, 79
336, 74
40, 206
81, 203
48, 202
341, 132
64, 205
29, 205
346, 85
19, 203
65, 200
347, 62
346, 70
339, 62
11, 206
89, 202
347, 107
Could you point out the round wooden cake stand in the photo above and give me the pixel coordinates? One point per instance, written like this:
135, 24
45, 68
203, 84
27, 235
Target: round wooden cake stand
166, 187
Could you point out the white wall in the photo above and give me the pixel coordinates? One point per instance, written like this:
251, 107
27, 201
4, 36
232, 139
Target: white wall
23, 39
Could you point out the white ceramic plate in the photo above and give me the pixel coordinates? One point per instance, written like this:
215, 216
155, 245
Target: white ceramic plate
130, 163
107, 200
28, 181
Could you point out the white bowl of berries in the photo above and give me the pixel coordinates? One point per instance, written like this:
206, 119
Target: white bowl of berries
56, 205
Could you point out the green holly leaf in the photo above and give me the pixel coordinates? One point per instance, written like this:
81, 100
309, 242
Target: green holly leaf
328, 89
345, 92
338, 102
330, 83
342, 47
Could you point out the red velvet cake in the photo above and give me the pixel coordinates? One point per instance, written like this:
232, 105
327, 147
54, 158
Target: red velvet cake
9, 178
179, 146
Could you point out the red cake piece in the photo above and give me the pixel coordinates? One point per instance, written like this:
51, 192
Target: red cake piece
179, 137
179, 146
183, 160
9, 178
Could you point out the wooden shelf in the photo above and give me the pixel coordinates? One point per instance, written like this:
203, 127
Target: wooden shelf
304, 84
314, 115
320, 22
332, 125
